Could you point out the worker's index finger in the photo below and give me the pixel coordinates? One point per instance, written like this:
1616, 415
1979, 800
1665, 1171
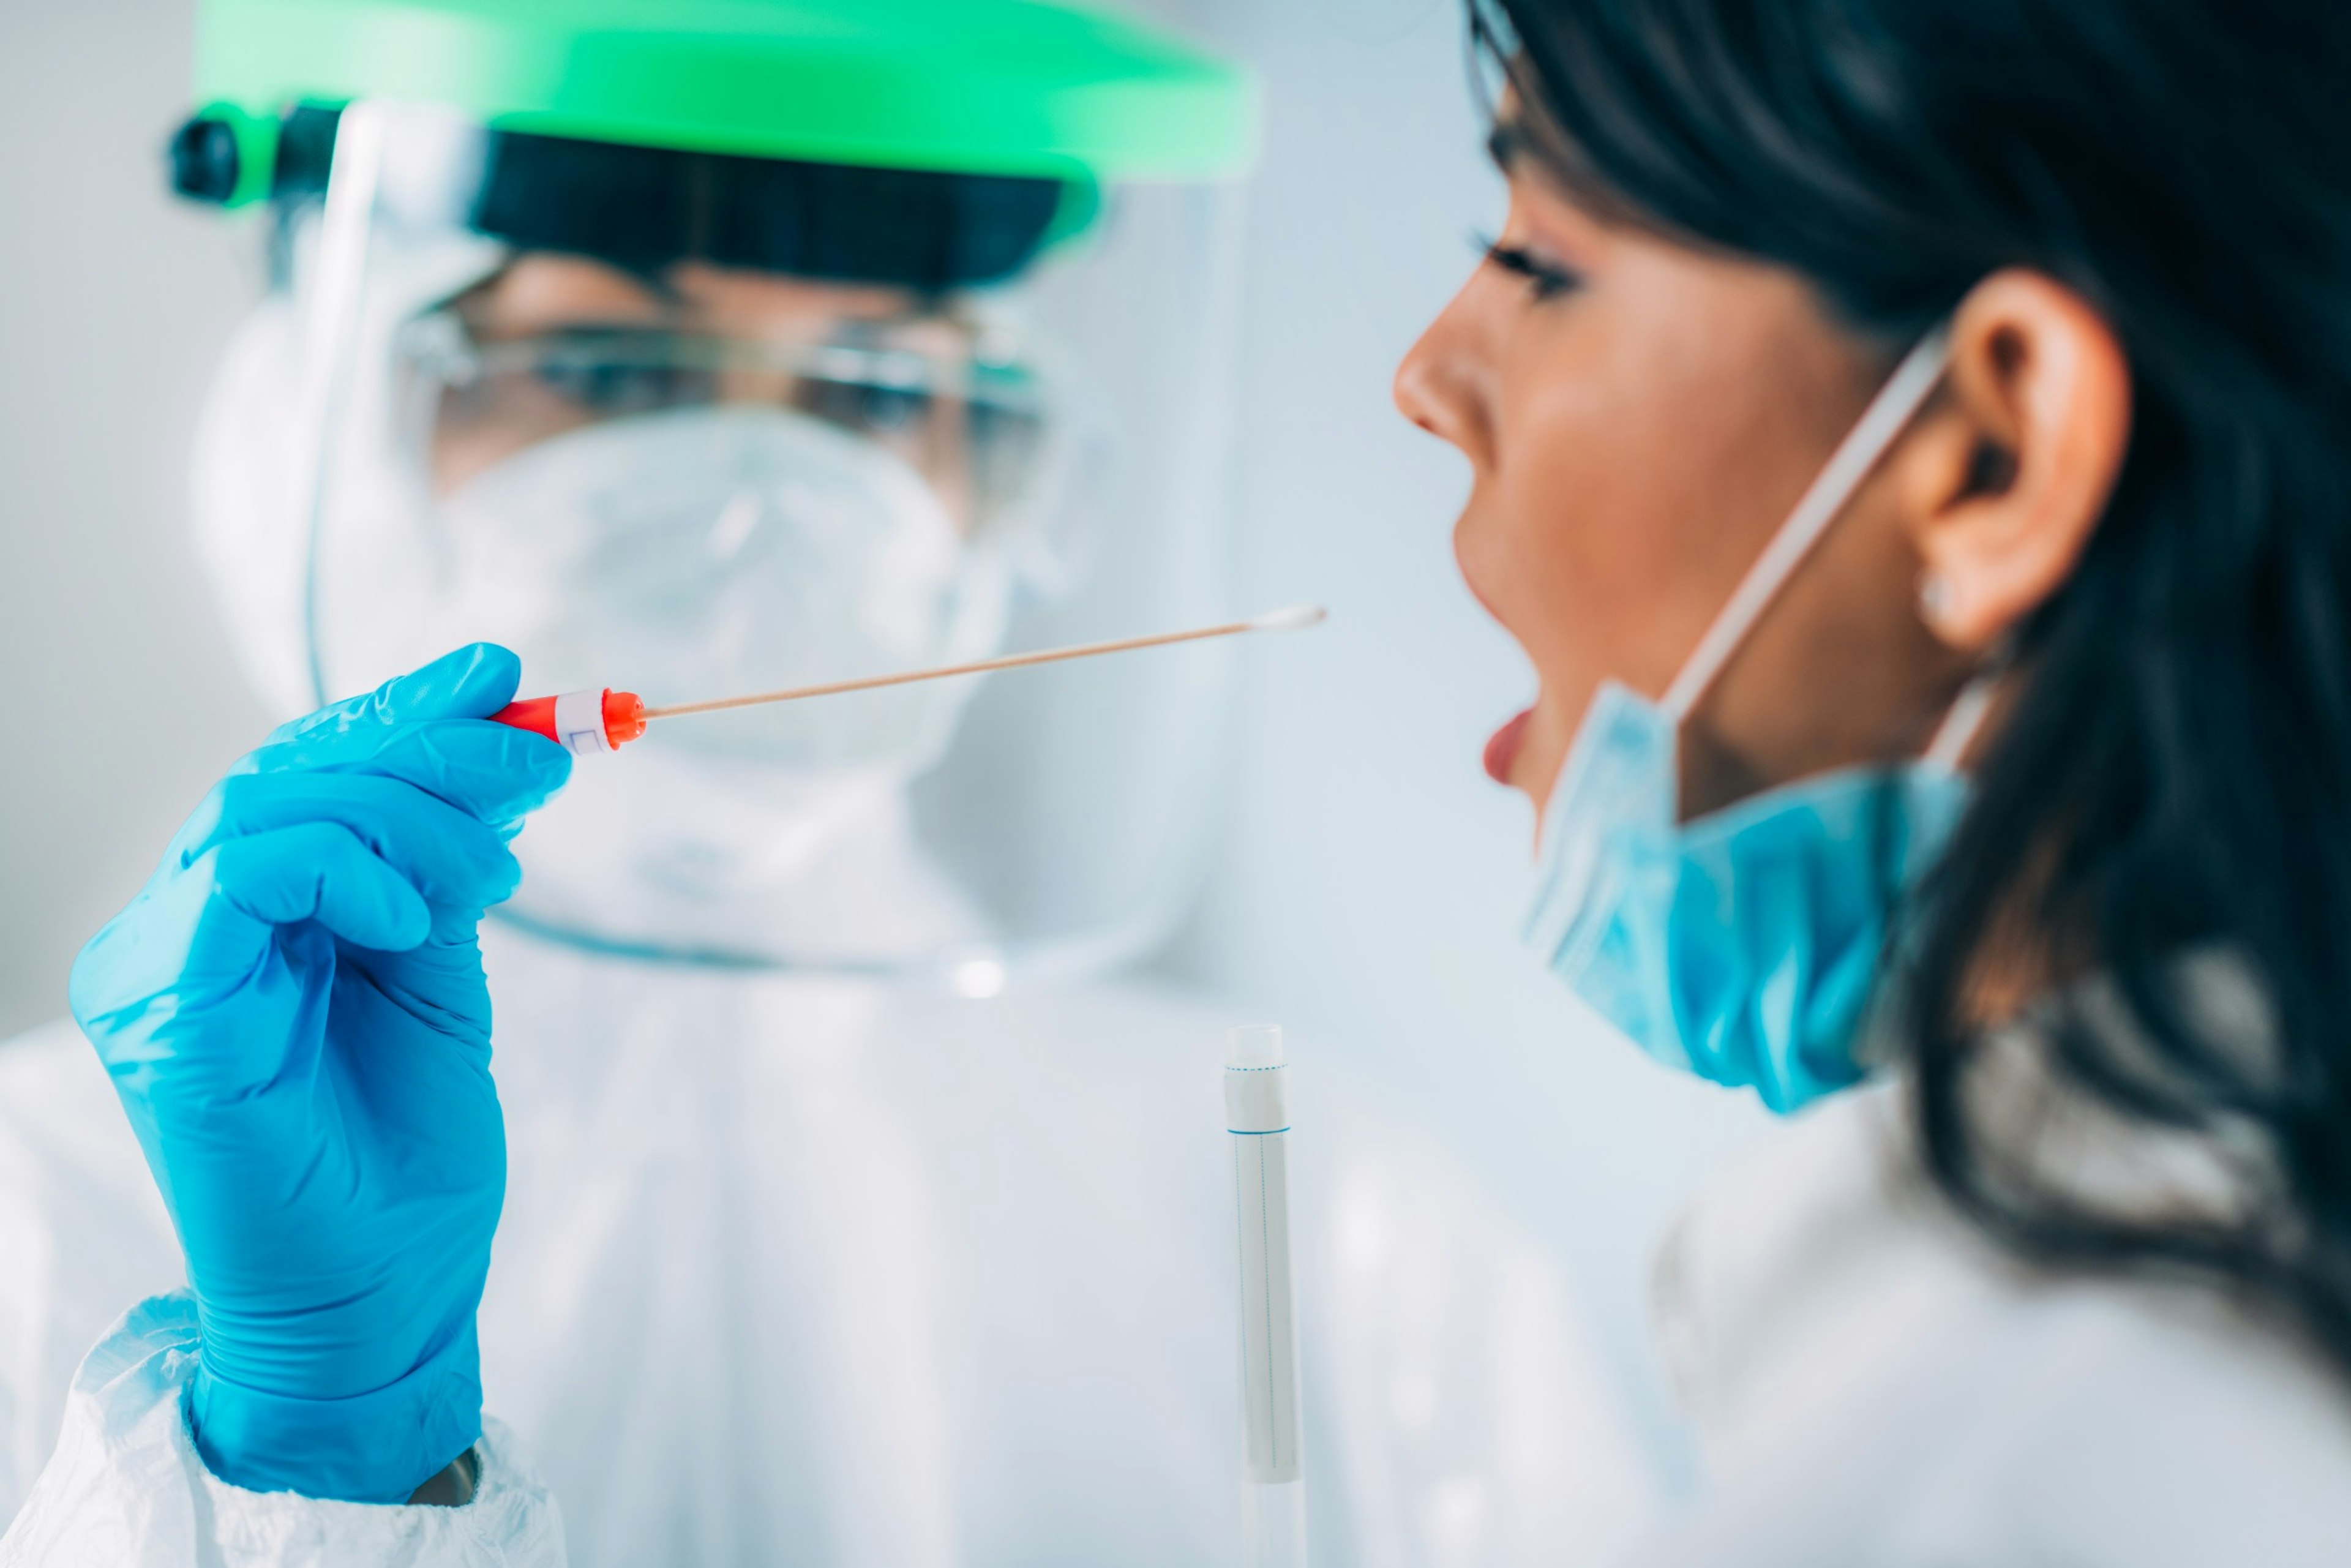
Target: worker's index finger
428, 728
491, 771
474, 682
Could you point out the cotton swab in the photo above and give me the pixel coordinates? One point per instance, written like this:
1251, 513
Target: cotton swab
596, 721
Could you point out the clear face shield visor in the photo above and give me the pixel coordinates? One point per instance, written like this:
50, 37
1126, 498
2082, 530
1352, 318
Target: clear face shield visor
690, 477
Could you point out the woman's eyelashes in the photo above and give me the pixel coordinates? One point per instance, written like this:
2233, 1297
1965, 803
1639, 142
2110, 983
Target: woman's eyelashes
1546, 279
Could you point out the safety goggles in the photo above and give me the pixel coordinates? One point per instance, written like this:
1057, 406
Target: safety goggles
955, 402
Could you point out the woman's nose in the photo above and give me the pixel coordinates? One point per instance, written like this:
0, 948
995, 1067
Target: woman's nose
1437, 386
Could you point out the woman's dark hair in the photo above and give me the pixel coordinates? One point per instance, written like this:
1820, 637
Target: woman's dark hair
2174, 778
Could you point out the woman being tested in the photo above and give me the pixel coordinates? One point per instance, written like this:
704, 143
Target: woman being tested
1912, 442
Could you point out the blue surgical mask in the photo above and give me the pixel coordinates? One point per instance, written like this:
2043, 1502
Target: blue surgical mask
1744, 946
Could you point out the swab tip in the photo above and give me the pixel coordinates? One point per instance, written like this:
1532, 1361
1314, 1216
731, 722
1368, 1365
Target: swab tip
1296, 618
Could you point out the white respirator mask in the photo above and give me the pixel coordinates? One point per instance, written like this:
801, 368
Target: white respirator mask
698, 553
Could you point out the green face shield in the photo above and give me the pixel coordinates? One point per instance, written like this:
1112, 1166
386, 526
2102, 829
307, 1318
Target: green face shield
714, 347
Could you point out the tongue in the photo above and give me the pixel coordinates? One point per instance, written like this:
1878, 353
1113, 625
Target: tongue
1502, 750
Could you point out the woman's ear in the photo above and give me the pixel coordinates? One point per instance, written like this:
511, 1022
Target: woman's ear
2011, 474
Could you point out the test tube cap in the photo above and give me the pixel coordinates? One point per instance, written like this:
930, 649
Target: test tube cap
1257, 1093
1254, 1045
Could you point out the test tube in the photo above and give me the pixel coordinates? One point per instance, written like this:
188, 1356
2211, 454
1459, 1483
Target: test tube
1257, 1115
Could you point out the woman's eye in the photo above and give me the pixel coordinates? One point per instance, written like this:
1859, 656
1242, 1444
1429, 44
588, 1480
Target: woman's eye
1545, 279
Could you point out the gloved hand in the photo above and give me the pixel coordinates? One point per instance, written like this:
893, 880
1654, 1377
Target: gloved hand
295, 1016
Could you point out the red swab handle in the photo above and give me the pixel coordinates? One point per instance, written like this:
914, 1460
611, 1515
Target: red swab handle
580, 722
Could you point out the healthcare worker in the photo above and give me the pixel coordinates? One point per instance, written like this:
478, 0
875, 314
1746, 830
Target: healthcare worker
700, 346
1912, 444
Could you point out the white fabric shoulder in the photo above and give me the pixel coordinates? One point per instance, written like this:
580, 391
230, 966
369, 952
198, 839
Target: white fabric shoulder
127, 1489
1873, 1382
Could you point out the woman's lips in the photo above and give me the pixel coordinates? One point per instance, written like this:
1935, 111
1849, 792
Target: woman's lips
1502, 750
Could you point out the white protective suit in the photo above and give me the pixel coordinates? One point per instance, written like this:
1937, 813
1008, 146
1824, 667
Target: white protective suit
814, 1270
808, 1270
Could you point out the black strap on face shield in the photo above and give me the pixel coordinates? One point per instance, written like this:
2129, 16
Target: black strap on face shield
645, 209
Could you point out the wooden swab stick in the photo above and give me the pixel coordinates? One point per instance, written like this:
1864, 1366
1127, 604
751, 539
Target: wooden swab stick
1296, 618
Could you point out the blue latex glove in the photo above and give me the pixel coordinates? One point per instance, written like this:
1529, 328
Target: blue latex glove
295, 1016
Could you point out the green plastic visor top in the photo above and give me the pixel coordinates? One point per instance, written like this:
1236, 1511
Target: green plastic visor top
980, 87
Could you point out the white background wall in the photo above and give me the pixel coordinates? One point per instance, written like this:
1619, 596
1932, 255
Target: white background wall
1371, 879
121, 693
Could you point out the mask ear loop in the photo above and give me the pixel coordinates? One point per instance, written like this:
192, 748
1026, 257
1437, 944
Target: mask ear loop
1888, 416
1965, 721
